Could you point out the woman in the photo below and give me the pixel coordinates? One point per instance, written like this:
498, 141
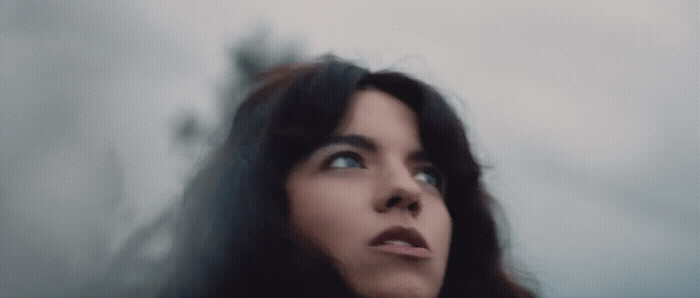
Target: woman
335, 181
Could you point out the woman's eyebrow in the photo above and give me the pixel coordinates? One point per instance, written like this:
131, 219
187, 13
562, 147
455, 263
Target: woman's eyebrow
419, 156
354, 140
368, 144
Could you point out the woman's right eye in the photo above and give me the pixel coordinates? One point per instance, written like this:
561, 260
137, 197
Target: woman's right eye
346, 159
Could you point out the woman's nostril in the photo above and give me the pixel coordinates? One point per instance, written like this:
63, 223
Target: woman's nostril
393, 201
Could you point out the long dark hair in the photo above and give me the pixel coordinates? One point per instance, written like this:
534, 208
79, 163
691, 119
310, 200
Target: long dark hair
234, 232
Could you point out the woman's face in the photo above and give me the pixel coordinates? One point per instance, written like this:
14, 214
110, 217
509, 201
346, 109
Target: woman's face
371, 200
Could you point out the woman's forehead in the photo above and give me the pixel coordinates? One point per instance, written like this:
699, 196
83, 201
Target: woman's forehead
381, 117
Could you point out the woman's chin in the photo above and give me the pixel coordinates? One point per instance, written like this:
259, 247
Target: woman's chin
400, 291
397, 286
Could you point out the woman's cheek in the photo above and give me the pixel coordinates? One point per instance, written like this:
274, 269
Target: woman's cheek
326, 200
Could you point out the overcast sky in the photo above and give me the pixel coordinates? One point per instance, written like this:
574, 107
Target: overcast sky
587, 112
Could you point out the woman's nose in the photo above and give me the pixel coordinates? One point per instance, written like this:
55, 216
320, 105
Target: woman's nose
399, 190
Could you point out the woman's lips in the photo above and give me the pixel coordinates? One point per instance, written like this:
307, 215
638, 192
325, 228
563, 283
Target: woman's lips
401, 241
409, 251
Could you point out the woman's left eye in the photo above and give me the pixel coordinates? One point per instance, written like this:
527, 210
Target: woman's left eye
430, 176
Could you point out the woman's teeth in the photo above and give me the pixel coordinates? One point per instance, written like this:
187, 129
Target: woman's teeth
397, 242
